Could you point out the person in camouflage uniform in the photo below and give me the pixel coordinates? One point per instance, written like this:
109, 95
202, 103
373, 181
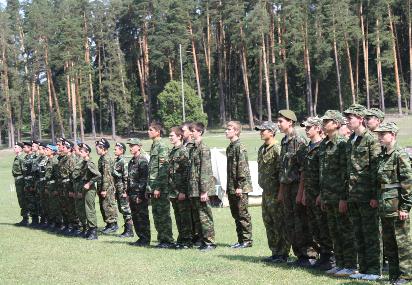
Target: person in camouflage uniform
39, 172
78, 192
119, 173
29, 186
374, 117
55, 218
201, 183
189, 144
296, 223
158, 166
35, 205
333, 196
178, 188
272, 209
394, 180
65, 169
309, 191
105, 187
238, 185
17, 172
90, 175
137, 176
362, 151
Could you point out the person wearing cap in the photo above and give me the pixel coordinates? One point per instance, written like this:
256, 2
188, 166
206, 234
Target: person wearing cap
90, 175
289, 177
51, 188
309, 191
394, 179
201, 184
344, 130
374, 117
106, 188
39, 172
178, 188
17, 172
238, 185
363, 150
333, 196
158, 166
268, 179
137, 178
29, 183
119, 173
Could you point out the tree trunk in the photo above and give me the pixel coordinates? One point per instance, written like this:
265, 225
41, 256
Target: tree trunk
113, 119
357, 71
260, 91
410, 54
395, 62
308, 71
267, 82
199, 90
39, 110
352, 83
243, 64
69, 95
5, 90
79, 104
169, 62
50, 101
89, 75
285, 70
379, 68
74, 103
32, 108
365, 55
335, 50
220, 47
273, 56
100, 90
315, 105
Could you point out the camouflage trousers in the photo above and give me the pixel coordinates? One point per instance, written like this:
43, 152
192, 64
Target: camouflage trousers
42, 200
30, 197
140, 217
365, 223
183, 217
318, 225
196, 226
79, 203
296, 224
123, 206
90, 207
108, 207
398, 245
67, 205
162, 219
19, 184
238, 209
272, 214
55, 213
341, 231
202, 211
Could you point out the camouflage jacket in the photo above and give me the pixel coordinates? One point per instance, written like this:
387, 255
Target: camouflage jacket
309, 161
137, 176
27, 170
394, 181
332, 169
40, 172
238, 174
362, 162
158, 166
200, 172
119, 173
51, 173
65, 169
190, 145
77, 174
268, 165
105, 165
89, 174
289, 166
178, 171
17, 168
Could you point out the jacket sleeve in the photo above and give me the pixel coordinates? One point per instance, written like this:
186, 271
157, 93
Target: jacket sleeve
206, 172
405, 178
242, 171
374, 151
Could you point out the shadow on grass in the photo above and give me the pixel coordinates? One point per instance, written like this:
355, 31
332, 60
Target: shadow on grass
9, 224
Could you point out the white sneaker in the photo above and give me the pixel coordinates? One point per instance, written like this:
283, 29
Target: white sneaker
371, 277
333, 270
346, 272
357, 276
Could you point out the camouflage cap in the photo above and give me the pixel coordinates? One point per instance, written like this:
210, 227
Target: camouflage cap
104, 143
121, 145
85, 146
387, 127
356, 109
311, 121
134, 141
334, 115
267, 125
288, 114
375, 112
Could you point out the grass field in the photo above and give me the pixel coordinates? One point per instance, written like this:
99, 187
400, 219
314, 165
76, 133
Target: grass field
29, 256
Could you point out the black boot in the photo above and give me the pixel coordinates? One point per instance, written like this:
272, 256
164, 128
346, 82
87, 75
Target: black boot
34, 222
92, 234
128, 230
110, 228
23, 223
84, 233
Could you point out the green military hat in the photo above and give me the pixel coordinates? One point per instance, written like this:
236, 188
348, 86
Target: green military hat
375, 112
267, 125
311, 121
288, 114
356, 109
85, 146
387, 127
104, 143
134, 141
28, 143
121, 145
35, 142
20, 144
334, 115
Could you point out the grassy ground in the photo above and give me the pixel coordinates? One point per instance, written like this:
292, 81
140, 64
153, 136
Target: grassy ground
35, 257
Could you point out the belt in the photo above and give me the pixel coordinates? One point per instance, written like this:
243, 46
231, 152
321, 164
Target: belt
18, 177
66, 180
51, 182
28, 177
390, 186
42, 179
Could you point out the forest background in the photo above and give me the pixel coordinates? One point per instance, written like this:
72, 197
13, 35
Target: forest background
72, 67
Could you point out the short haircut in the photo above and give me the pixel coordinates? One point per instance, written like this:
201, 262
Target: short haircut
157, 126
187, 124
178, 131
236, 125
198, 126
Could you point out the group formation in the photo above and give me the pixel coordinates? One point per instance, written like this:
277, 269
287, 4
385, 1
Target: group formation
336, 195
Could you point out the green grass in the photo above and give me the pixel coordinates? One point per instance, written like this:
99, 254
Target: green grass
31, 256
